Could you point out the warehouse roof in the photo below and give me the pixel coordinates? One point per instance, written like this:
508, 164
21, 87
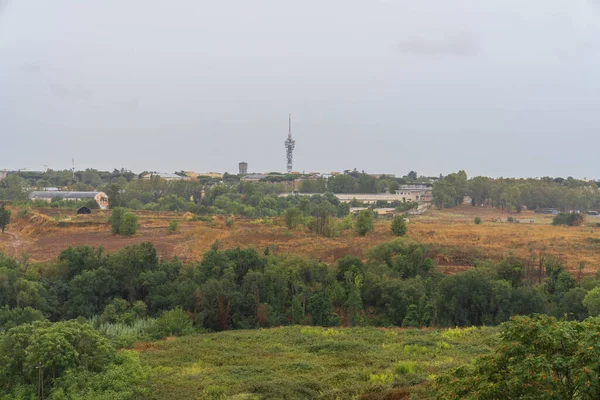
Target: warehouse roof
63, 195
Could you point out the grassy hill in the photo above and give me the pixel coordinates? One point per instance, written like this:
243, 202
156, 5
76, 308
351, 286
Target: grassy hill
308, 362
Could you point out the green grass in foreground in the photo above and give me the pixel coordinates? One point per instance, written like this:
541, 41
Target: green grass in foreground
309, 363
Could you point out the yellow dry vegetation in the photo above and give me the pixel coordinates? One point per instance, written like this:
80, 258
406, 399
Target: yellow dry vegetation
455, 240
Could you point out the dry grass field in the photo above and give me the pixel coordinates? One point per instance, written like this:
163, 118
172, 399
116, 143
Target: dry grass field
42, 233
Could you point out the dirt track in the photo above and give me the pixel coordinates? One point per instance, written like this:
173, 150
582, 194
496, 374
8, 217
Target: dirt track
14, 241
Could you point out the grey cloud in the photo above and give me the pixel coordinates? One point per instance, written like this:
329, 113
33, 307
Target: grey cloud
73, 90
461, 45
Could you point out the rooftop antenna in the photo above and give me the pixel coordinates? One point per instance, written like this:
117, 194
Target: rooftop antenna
290, 144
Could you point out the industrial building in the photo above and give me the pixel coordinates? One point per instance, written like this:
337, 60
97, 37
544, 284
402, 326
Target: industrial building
166, 176
100, 197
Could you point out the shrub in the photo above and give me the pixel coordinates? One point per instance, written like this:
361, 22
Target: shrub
173, 226
477, 221
403, 368
115, 219
347, 222
173, 323
399, 227
229, 222
129, 224
292, 217
569, 219
116, 312
364, 222
332, 228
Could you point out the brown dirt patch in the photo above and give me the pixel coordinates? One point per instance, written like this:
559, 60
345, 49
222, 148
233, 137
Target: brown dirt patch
452, 233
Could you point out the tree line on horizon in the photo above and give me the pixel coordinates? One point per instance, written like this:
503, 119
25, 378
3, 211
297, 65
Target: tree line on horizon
515, 194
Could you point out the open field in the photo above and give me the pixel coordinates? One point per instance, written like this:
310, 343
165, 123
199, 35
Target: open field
43, 233
309, 362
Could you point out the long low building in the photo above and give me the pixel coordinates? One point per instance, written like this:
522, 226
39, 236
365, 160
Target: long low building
100, 197
406, 193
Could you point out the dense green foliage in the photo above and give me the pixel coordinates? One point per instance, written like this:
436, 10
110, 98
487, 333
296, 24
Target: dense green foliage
173, 226
397, 285
229, 195
4, 218
131, 295
301, 362
399, 226
364, 222
71, 359
538, 358
123, 222
514, 194
569, 219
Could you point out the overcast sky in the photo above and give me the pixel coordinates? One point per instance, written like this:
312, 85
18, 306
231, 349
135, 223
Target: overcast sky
495, 87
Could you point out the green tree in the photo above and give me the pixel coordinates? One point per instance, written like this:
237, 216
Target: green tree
354, 302
173, 323
477, 221
319, 306
4, 218
129, 224
399, 227
364, 222
444, 194
114, 191
116, 218
537, 358
412, 317
292, 217
479, 189
297, 311
60, 346
591, 301
173, 226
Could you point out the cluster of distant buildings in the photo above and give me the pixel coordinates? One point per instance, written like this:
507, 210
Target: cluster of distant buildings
57, 195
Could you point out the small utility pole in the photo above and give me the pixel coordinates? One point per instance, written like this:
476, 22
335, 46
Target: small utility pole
40, 368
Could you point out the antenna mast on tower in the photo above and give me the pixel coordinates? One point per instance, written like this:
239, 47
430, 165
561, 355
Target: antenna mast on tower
290, 144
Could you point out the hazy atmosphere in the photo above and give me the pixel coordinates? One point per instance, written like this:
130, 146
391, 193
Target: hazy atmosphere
493, 87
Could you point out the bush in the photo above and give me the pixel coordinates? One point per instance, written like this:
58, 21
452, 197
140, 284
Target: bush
347, 222
477, 221
569, 219
173, 323
129, 224
173, 226
399, 227
229, 222
292, 217
364, 222
115, 219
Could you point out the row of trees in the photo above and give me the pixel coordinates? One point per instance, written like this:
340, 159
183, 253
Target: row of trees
514, 194
126, 189
399, 284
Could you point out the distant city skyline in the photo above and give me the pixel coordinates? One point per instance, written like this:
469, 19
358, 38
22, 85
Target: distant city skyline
497, 88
